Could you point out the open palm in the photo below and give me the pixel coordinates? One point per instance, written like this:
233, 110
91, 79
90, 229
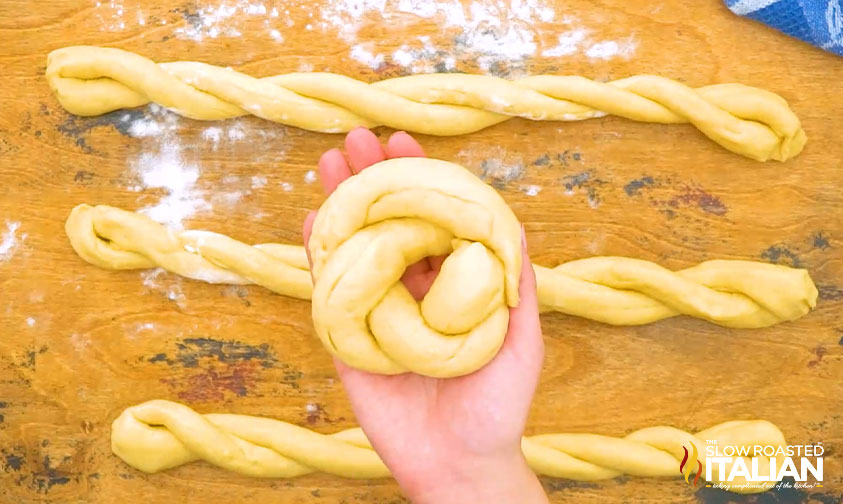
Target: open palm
422, 426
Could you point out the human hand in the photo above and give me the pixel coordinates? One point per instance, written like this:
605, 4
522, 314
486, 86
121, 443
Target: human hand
456, 439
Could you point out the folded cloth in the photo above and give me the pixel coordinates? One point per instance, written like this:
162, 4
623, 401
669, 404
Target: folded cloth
818, 22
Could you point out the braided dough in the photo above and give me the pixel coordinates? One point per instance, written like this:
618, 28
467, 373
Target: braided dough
613, 290
158, 435
90, 81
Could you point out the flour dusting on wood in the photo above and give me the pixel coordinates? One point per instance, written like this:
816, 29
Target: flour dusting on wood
10, 241
167, 166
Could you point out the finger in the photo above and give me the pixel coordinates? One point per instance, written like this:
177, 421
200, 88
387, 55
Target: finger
418, 285
524, 337
436, 262
401, 144
307, 229
417, 268
363, 148
333, 169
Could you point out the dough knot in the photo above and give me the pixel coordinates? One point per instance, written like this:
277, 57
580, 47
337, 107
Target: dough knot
383, 220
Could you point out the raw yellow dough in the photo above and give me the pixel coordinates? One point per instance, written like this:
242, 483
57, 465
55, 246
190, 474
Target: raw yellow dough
379, 222
91, 80
159, 435
613, 290
399, 211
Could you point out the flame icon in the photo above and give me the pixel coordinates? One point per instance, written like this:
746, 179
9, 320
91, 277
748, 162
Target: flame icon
686, 467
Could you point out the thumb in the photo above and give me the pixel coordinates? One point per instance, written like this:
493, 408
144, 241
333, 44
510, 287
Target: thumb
524, 336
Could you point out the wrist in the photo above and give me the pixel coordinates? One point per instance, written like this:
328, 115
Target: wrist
501, 479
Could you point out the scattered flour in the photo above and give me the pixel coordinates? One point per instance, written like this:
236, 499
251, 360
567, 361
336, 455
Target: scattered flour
166, 168
488, 32
496, 165
212, 134
498, 36
569, 43
286, 186
80, 342
424, 59
609, 49
30, 321
361, 53
531, 190
310, 177
10, 242
152, 281
232, 132
211, 22
236, 133
258, 182
572, 41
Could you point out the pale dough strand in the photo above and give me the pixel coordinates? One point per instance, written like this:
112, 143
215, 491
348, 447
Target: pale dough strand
613, 290
158, 435
90, 81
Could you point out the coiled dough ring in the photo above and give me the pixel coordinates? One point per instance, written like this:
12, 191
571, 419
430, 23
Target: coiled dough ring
158, 435
388, 217
94, 80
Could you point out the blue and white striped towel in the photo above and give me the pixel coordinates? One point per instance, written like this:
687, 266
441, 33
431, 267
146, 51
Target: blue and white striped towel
818, 22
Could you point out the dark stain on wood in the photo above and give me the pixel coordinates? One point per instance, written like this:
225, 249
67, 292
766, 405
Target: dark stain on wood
316, 413
635, 186
829, 292
560, 485
291, 376
191, 350
565, 157
77, 128
821, 241
820, 351
48, 477
781, 254
584, 180
500, 174
213, 383
31, 356
83, 177
12, 461
706, 202
542, 161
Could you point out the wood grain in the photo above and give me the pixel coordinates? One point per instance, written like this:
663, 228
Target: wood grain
79, 344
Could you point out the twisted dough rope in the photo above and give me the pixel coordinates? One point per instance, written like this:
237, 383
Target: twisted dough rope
613, 290
159, 435
91, 81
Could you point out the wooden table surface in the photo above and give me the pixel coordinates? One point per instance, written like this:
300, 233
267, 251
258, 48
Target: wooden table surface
79, 344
